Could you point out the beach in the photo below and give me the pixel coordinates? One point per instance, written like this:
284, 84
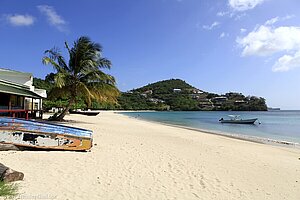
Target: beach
135, 159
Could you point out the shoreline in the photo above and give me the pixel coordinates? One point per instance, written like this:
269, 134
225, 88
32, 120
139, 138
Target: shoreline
255, 139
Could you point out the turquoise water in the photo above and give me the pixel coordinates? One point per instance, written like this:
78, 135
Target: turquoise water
276, 125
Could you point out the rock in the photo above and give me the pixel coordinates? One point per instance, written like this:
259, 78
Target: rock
12, 175
9, 175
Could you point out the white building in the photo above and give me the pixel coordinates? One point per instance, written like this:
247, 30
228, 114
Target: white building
18, 96
176, 90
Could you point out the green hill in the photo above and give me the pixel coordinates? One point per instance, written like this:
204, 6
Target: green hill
176, 94
173, 94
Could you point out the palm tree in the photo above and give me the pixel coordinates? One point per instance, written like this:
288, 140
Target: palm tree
82, 76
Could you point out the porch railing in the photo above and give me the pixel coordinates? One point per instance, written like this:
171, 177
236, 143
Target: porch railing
21, 113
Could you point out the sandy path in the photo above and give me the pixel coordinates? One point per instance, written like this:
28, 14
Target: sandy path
134, 159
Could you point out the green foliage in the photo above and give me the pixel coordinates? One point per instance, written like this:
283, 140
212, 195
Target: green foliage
161, 96
136, 102
166, 87
182, 102
48, 85
42, 84
62, 102
80, 80
8, 190
238, 102
103, 105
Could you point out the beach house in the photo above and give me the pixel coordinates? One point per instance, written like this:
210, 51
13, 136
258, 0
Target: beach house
18, 96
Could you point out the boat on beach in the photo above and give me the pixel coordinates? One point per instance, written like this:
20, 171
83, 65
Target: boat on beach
41, 135
87, 112
235, 119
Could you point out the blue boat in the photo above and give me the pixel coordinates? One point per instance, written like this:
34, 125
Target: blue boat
40, 135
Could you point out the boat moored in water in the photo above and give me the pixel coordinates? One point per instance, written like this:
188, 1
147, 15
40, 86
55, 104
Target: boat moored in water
235, 119
40, 135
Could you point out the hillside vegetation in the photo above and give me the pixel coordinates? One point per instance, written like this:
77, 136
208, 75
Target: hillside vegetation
173, 94
177, 95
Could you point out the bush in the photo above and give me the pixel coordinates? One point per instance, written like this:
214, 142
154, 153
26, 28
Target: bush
8, 189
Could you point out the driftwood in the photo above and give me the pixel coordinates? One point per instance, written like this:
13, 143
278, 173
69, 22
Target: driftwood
7, 147
9, 175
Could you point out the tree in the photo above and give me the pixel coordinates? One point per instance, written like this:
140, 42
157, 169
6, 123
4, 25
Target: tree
82, 76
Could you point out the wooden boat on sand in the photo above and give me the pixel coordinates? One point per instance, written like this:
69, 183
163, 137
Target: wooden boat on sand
88, 112
40, 135
235, 119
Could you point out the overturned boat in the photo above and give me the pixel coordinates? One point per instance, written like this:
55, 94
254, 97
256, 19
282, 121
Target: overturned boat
88, 112
235, 119
40, 135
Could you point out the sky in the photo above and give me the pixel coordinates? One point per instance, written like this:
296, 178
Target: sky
248, 46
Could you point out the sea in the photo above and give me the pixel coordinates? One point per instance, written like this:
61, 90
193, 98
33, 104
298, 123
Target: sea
281, 127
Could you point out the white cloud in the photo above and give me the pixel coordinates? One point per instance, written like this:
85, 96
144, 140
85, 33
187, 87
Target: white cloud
287, 62
272, 21
239, 17
20, 20
212, 26
222, 13
243, 5
277, 19
243, 30
53, 18
288, 17
222, 35
238, 8
265, 40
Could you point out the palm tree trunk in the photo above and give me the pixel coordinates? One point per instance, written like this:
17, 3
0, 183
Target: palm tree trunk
64, 112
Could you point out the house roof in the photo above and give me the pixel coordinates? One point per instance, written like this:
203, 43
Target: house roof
12, 88
3, 70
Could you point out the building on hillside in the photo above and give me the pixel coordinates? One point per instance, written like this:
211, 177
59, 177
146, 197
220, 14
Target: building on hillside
219, 99
195, 96
195, 91
146, 93
239, 102
18, 96
176, 90
156, 101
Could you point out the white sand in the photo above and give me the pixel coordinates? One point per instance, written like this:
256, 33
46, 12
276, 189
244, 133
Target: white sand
134, 159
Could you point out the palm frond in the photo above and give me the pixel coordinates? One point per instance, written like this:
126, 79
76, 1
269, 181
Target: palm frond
55, 55
96, 77
104, 92
85, 93
46, 60
67, 47
104, 63
85, 54
60, 79
60, 92
82, 77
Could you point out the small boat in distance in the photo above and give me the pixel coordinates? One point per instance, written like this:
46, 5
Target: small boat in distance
40, 135
235, 119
